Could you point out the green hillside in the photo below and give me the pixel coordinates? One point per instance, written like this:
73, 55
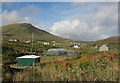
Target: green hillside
108, 40
23, 31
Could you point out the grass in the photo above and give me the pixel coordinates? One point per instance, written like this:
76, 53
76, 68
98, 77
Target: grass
76, 74
99, 67
91, 65
54, 58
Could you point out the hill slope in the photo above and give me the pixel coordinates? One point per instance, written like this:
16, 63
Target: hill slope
108, 40
23, 31
113, 39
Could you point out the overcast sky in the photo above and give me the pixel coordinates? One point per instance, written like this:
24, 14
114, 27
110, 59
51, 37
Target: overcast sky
77, 21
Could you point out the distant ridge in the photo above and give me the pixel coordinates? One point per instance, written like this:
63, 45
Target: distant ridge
113, 39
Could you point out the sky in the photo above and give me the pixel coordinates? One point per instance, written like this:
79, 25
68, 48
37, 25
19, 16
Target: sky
79, 21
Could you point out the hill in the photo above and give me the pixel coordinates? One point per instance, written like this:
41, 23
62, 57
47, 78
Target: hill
23, 31
109, 40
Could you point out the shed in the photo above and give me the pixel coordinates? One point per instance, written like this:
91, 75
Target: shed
104, 48
57, 51
28, 60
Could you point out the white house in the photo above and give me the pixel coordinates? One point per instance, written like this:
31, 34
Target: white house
39, 41
11, 39
28, 41
15, 40
76, 46
104, 48
46, 43
56, 43
53, 41
53, 44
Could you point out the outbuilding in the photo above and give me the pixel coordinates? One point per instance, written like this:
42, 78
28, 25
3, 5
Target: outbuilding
57, 51
104, 48
28, 60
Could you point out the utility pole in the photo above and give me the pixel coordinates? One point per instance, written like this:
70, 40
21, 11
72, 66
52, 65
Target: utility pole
32, 43
32, 39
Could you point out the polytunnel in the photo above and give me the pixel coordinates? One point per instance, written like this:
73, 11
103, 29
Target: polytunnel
57, 51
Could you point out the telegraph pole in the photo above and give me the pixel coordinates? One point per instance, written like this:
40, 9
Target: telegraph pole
32, 39
32, 43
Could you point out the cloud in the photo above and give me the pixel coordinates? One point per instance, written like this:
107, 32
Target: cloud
100, 24
10, 17
76, 30
30, 10
25, 14
14, 17
27, 10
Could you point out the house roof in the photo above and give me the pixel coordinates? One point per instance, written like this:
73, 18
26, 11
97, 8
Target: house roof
29, 56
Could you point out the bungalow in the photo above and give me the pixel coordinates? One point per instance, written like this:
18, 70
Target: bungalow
39, 41
13, 40
76, 46
46, 43
104, 48
53, 41
53, 44
28, 41
16, 40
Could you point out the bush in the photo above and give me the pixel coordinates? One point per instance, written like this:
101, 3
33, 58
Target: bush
93, 51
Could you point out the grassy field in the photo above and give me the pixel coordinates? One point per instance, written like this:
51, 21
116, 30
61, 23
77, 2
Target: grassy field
89, 65
103, 66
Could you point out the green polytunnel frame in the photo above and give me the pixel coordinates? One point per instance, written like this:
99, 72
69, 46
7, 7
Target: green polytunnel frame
28, 60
